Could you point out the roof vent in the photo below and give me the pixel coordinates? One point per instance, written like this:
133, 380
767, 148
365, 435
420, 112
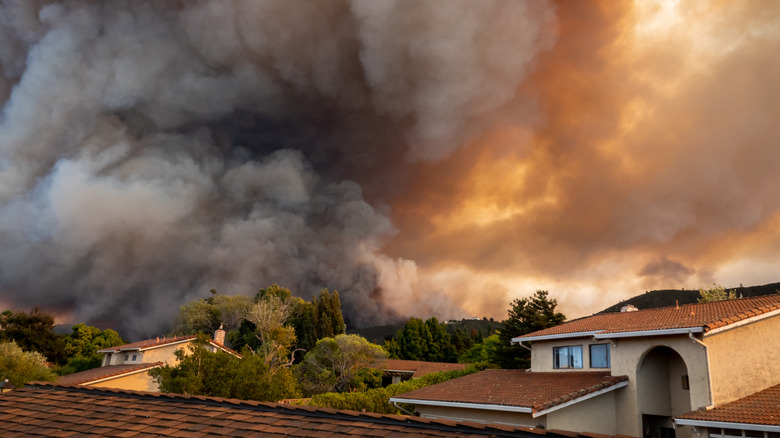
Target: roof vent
628, 308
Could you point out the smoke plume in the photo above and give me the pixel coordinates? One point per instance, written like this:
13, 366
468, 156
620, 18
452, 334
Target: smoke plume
153, 150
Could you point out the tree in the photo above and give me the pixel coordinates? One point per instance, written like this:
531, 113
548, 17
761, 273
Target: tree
207, 315
423, 340
328, 319
220, 374
526, 315
20, 367
33, 331
482, 352
269, 315
82, 345
335, 363
716, 293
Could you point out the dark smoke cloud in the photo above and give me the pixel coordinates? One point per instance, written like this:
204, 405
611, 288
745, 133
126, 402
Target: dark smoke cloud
151, 151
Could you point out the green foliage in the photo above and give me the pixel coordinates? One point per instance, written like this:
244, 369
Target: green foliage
33, 331
482, 352
82, 345
716, 293
378, 400
20, 367
206, 316
335, 363
426, 341
223, 375
327, 316
269, 315
526, 315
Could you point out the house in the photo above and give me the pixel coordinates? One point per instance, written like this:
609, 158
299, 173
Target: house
757, 415
655, 364
399, 370
127, 366
48, 410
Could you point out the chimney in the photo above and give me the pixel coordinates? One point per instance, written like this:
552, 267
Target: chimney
219, 336
628, 308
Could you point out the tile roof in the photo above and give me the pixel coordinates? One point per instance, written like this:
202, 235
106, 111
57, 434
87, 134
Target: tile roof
760, 408
103, 372
538, 391
42, 409
417, 368
148, 343
160, 342
707, 316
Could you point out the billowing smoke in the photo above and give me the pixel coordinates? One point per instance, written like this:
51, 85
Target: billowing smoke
153, 150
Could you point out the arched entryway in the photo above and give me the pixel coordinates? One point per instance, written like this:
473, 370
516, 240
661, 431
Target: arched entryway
663, 391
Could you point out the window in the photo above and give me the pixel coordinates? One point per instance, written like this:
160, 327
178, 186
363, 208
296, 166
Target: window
126, 357
134, 356
599, 356
567, 357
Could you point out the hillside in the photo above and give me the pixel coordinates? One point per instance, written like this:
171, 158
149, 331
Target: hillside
378, 334
670, 297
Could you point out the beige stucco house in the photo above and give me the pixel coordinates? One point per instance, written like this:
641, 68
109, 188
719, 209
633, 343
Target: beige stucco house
654, 365
127, 366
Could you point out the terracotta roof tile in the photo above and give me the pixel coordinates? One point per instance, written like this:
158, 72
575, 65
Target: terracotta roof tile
98, 411
760, 408
520, 388
708, 316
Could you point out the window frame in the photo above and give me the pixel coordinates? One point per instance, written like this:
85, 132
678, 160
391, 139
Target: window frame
609, 355
570, 353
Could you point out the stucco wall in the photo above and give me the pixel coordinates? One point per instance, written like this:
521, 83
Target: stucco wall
595, 415
136, 382
626, 357
165, 353
744, 359
480, 415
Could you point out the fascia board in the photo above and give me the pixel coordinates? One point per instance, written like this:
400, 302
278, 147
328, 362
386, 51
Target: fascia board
743, 322
520, 339
579, 399
522, 409
727, 425
662, 332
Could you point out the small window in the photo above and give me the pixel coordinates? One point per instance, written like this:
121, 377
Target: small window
127, 356
134, 356
567, 357
599, 356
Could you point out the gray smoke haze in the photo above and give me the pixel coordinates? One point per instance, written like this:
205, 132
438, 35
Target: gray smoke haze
153, 150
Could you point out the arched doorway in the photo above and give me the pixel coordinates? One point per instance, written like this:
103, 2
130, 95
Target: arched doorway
663, 391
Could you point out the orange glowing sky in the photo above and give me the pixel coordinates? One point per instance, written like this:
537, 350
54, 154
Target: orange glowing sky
652, 164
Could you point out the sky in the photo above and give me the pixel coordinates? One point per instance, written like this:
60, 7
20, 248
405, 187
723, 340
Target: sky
423, 160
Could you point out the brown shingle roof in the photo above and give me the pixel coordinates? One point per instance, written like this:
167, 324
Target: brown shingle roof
103, 372
707, 316
538, 391
49, 410
418, 368
760, 408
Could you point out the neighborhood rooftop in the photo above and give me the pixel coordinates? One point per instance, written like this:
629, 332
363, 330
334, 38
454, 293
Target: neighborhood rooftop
761, 409
416, 368
698, 318
516, 390
100, 373
147, 344
41, 409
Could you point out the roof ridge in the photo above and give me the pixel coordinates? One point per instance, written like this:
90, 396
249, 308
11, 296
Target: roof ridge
312, 411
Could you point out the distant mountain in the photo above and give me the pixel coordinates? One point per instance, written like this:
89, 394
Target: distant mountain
670, 297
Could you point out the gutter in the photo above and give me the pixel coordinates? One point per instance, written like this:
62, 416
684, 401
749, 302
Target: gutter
505, 408
726, 425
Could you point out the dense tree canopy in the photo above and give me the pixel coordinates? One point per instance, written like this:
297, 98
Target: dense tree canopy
82, 345
33, 331
19, 366
526, 315
335, 363
201, 372
423, 340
